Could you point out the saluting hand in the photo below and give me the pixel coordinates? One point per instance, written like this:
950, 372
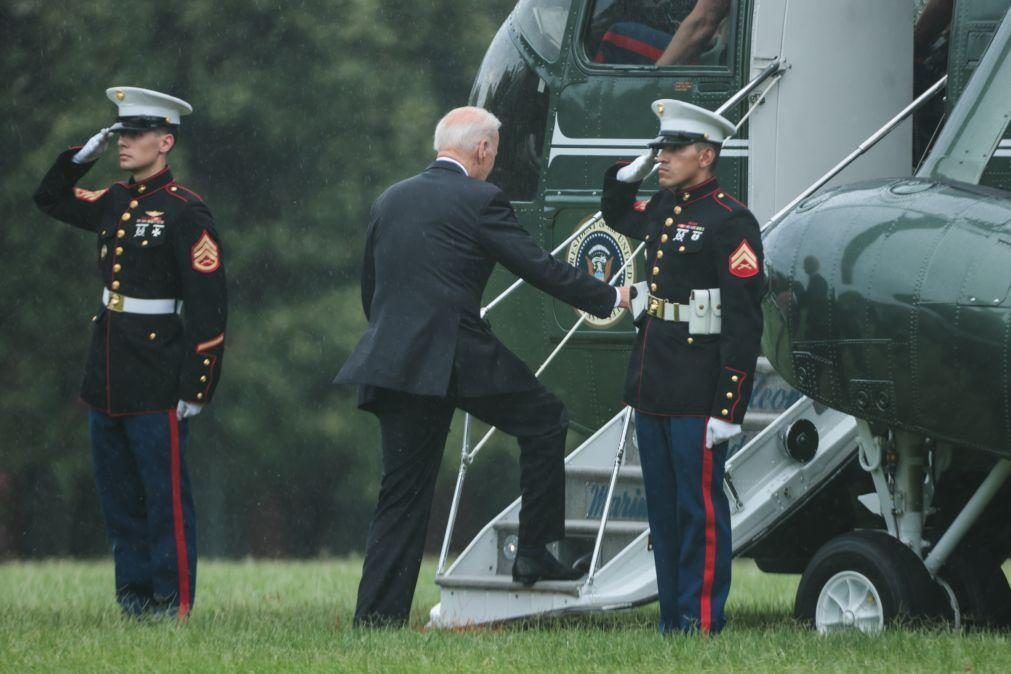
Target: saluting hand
639, 169
94, 148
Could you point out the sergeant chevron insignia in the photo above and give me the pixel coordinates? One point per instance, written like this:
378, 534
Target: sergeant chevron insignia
206, 255
744, 261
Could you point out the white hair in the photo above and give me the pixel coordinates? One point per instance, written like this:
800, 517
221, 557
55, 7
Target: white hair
464, 128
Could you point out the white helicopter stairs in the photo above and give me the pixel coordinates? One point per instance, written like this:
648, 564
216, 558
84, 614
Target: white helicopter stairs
788, 458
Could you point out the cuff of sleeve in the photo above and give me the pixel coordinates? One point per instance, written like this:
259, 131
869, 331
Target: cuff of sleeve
730, 405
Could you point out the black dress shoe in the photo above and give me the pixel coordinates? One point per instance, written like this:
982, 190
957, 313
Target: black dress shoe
541, 565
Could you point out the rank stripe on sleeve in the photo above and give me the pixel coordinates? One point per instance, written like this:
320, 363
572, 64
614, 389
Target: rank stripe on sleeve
744, 261
206, 254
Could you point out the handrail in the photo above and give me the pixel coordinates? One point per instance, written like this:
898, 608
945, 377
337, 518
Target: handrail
870, 142
618, 458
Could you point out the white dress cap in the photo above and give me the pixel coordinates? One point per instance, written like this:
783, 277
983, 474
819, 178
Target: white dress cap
137, 102
682, 123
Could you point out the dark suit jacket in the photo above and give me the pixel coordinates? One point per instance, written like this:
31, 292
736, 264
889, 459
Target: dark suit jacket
433, 241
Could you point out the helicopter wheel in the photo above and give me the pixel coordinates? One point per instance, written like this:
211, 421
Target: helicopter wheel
981, 591
865, 580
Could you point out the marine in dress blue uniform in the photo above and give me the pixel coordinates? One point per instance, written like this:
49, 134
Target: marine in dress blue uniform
692, 367
157, 344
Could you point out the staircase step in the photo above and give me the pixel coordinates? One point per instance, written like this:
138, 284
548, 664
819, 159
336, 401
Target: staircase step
504, 583
594, 473
587, 527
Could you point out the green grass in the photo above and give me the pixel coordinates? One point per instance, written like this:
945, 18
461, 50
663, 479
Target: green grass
295, 616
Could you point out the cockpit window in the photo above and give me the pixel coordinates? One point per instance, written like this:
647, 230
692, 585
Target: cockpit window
542, 23
660, 32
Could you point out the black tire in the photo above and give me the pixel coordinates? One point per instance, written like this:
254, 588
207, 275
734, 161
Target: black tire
906, 591
981, 589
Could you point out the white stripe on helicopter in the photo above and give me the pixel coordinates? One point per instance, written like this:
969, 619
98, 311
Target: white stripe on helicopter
564, 146
1003, 148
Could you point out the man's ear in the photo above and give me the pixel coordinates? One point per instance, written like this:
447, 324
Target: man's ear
707, 156
166, 143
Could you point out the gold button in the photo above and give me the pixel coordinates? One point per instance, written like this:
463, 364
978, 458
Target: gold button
659, 254
730, 396
691, 340
175, 189
720, 195
652, 287
669, 221
134, 204
647, 237
207, 361
663, 239
119, 250
94, 318
104, 232
153, 336
724, 412
143, 243
142, 188
656, 270
677, 210
686, 196
734, 378
126, 216
120, 233
115, 285
117, 267
200, 396
203, 378
681, 249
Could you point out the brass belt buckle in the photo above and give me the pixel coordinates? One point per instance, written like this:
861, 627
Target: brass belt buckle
654, 308
115, 302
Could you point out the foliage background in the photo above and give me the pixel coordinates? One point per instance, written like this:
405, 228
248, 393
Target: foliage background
304, 111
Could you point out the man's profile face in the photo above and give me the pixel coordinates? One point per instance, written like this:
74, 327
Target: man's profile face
141, 149
680, 165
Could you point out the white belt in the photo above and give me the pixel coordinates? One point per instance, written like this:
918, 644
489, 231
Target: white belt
133, 305
702, 313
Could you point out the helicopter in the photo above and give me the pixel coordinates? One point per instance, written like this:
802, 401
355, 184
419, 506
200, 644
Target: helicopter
875, 464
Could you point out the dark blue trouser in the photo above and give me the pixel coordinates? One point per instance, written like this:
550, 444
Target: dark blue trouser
689, 519
144, 489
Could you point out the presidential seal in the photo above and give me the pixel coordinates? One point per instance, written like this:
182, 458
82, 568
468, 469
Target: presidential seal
602, 252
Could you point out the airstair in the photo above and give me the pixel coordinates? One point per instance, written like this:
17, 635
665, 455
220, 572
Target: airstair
790, 457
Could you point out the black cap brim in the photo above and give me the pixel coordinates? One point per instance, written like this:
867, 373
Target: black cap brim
678, 139
142, 123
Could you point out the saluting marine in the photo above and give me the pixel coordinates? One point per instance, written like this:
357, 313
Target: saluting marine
157, 345
691, 370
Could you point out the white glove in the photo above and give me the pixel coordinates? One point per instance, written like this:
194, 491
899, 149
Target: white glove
639, 301
638, 169
718, 431
95, 146
185, 410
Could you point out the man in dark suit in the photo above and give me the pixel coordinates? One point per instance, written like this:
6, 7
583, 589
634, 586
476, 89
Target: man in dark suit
433, 241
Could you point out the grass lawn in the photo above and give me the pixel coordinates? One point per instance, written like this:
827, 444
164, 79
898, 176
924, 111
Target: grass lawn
254, 616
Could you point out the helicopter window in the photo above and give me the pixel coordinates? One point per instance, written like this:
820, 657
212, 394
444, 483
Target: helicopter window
659, 32
542, 23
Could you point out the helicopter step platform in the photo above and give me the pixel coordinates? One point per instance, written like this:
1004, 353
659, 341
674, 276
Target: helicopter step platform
778, 469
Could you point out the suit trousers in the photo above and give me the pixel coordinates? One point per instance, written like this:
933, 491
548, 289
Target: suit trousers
689, 520
144, 489
414, 430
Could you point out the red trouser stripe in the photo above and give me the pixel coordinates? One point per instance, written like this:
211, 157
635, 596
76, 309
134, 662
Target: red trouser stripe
706, 608
182, 563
